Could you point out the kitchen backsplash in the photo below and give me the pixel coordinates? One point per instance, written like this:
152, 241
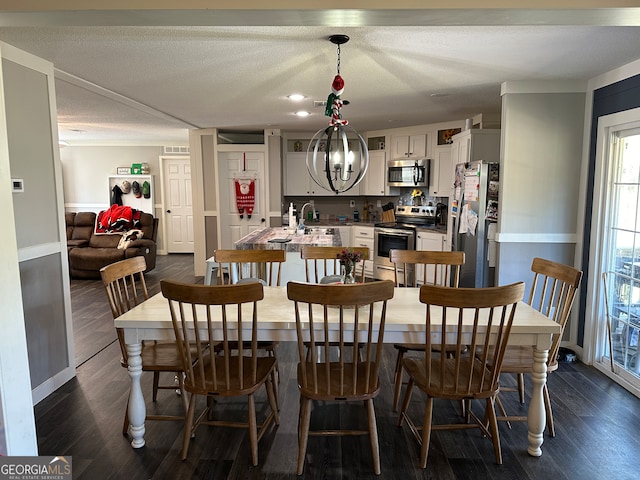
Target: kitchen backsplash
340, 205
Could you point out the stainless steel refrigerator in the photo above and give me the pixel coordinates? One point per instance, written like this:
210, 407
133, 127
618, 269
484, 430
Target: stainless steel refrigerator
476, 201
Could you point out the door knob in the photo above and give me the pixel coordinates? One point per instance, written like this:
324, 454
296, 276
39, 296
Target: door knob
168, 211
262, 220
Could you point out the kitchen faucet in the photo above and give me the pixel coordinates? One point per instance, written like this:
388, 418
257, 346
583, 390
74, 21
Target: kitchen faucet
301, 216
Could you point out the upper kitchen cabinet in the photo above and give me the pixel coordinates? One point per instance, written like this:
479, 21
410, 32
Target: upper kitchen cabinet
474, 144
298, 182
373, 182
442, 170
408, 146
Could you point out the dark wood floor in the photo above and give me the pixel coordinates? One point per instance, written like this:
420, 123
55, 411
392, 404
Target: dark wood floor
597, 422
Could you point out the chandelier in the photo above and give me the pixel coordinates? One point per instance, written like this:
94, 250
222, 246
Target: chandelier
337, 157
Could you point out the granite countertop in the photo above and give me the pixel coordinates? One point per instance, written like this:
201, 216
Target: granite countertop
441, 229
284, 238
336, 223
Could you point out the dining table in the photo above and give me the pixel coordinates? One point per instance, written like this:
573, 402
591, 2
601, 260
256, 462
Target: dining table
405, 323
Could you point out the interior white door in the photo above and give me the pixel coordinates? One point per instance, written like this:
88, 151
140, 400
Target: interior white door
178, 203
245, 167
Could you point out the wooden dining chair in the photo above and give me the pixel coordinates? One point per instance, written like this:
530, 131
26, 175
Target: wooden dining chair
221, 314
321, 264
240, 266
244, 266
552, 292
125, 286
346, 376
461, 317
428, 268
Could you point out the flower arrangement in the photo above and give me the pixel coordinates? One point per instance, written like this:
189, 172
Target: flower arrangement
348, 258
416, 195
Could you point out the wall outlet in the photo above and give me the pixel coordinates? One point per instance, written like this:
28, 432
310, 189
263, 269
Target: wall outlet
352, 203
378, 203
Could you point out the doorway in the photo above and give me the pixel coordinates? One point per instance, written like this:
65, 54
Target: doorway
616, 334
242, 168
178, 204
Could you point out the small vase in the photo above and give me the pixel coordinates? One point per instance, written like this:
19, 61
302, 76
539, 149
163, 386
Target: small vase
347, 274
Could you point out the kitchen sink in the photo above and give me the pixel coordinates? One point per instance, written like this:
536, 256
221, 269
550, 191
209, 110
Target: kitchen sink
319, 231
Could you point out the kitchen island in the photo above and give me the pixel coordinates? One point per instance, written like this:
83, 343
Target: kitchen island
285, 238
280, 238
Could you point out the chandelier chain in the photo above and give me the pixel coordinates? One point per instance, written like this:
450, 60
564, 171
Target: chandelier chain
338, 59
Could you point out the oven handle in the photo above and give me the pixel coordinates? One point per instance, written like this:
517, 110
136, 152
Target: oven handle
382, 267
390, 231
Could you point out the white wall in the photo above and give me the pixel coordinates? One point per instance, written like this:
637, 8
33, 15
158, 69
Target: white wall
540, 169
17, 425
85, 171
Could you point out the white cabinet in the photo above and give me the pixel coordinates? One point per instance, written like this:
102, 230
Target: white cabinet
432, 241
363, 237
143, 203
297, 179
473, 145
442, 170
345, 235
298, 182
409, 146
373, 183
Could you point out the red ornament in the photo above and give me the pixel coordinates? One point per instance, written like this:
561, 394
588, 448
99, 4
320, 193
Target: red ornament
338, 85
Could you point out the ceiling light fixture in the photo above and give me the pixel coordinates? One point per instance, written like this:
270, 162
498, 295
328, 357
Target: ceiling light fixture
337, 157
302, 113
296, 97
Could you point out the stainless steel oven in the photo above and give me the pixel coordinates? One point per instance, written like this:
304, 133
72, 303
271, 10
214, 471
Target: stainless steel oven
385, 239
399, 235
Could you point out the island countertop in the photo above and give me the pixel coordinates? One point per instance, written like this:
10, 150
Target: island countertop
284, 238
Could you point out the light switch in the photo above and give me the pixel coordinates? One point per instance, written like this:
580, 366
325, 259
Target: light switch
17, 185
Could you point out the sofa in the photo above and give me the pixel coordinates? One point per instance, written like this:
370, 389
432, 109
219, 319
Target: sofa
89, 251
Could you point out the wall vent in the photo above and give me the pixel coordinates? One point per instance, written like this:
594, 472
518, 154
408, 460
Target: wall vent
184, 150
319, 103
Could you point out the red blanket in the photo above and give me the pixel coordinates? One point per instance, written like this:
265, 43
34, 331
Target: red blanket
117, 219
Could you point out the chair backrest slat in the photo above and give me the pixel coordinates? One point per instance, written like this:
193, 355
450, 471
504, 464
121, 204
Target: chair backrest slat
359, 310
324, 261
553, 292
215, 314
483, 314
436, 267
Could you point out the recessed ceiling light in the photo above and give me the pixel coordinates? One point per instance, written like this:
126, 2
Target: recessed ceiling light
296, 97
302, 113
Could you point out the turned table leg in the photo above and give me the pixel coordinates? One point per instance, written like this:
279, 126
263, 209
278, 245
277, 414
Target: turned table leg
537, 417
137, 411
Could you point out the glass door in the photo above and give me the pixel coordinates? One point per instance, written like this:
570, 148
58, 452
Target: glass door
621, 258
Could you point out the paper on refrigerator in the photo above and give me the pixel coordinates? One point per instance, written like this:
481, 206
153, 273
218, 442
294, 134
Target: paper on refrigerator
468, 220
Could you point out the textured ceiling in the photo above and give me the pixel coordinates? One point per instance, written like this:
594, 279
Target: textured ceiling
149, 84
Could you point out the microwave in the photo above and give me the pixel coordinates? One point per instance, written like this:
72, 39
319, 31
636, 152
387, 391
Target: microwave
408, 173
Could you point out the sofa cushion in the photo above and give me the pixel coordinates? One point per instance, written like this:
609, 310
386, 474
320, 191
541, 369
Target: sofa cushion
148, 225
110, 240
94, 258
83, 225
69, 218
